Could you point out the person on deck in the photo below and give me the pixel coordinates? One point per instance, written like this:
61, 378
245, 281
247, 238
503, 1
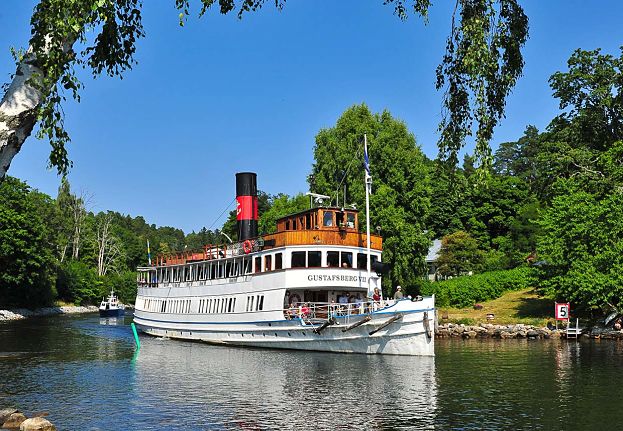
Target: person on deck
398, 295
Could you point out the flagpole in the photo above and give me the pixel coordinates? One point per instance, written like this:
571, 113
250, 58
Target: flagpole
148, 253
368, 182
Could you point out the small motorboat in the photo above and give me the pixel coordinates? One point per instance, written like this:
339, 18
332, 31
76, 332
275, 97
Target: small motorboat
110, 307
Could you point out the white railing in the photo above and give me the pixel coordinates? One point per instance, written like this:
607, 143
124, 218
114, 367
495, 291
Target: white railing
326, 310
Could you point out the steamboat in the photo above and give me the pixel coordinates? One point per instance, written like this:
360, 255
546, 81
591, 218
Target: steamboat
309, 286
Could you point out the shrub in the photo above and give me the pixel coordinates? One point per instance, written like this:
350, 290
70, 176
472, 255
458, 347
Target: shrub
465, 291
78, 283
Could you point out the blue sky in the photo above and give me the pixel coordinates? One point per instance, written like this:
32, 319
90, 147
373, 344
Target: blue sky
222, 95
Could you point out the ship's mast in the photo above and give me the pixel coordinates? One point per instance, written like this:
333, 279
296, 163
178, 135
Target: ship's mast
368, 184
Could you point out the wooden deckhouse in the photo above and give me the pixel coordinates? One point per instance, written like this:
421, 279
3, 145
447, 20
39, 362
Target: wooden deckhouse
316, 226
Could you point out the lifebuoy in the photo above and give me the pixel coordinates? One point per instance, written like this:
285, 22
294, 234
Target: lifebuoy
294, 298
246, 246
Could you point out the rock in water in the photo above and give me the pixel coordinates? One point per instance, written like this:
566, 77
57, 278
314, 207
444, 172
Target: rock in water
14, 421
37, 424
5, 413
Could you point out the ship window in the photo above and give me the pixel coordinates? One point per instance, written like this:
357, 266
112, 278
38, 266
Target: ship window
258, 264
327, 218
298, 259
261, 303
213, 271
333, 258
233, 307
251, 306
230, 303
189, 273
339, 219
350, 220
247, 265
248, 301
308, 221
268, 263
164, 307
313, 259
347, 260
362, 262
278, 261
293, 224
288, 224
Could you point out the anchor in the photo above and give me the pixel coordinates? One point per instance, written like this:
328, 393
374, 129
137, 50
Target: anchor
429, 332
358, 323
326, 324
384, 325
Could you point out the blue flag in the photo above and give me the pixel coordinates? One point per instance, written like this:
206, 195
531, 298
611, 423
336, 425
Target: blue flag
366, 160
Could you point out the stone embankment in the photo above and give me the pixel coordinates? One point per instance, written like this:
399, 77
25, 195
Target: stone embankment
23, 313
488, 330
13, 419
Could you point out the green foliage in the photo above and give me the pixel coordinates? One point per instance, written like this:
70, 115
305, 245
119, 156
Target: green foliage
26, 251
459, 254
78, 283
124, 285
582, 247
480, 67
465, 291
400, 201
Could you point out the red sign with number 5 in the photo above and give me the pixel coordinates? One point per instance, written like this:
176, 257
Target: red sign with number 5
562, 310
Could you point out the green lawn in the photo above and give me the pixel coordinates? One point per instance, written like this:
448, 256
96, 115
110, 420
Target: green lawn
523, 306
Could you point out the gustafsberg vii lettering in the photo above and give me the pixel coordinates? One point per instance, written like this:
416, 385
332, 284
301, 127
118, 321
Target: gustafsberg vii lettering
335, 277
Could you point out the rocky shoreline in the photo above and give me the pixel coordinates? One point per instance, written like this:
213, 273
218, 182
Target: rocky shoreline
24, 313
13, 419
488, 330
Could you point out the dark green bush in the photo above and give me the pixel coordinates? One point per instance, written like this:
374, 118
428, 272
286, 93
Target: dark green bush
469, 289
124, 285
78, 283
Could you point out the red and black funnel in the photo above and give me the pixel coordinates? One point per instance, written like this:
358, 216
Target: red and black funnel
246, 210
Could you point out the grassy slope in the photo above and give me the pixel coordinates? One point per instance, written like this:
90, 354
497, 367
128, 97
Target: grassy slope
522, 306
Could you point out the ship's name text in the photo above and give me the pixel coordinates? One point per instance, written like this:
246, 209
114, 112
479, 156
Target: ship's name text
336, 277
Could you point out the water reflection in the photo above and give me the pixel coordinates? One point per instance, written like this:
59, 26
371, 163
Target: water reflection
235, 388
82, 371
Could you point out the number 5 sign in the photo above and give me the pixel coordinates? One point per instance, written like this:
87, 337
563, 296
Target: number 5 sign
562, 310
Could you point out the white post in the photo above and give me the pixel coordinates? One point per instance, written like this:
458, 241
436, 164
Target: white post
368, 182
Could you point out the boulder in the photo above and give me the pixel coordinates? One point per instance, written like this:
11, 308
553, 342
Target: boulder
37, 424
471, 334
5, 413
533, 334
14, 421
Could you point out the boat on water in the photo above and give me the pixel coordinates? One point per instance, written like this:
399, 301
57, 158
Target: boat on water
110, 307
308, 286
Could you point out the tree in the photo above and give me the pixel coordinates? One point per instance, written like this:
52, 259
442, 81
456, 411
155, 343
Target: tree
26, 255
459, 254
108, 248
400, 198
582, 246
481, 65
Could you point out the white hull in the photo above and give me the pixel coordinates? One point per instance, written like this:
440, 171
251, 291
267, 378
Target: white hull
405, 336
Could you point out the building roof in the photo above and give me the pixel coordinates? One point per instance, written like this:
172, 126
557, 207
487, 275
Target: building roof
433, 251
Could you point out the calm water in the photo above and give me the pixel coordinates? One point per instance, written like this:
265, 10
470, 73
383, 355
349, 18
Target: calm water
84, 372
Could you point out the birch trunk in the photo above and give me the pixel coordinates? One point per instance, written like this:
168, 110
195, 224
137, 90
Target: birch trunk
18, 111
